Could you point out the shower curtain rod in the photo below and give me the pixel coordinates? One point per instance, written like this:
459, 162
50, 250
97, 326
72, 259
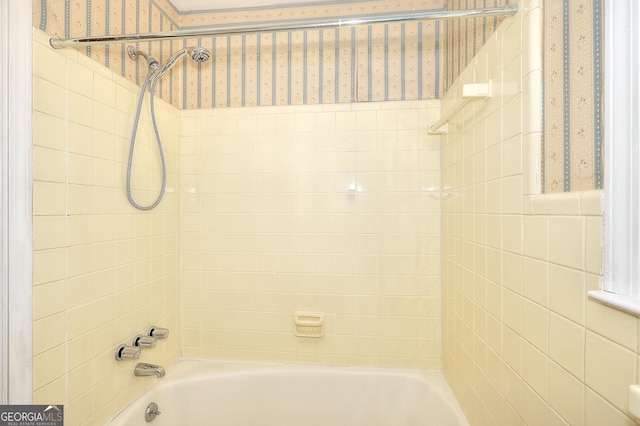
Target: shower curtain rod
228, 29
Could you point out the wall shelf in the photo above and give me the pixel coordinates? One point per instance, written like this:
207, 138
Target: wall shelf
470, 92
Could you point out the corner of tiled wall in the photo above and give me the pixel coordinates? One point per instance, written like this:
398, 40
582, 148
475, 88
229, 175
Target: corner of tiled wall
103, 272
522, 343
297, 208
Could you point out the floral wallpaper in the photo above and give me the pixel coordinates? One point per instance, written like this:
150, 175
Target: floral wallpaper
363, 63
573, 87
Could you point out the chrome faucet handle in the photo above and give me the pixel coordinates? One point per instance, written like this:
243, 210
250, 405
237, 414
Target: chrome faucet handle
144, 341
158, 332
125, 352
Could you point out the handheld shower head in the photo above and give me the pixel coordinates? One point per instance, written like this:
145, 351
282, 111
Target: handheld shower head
197, 54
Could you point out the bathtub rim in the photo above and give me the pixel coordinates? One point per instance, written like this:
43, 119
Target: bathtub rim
190, 368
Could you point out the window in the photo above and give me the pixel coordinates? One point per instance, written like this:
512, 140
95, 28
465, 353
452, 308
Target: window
621, 263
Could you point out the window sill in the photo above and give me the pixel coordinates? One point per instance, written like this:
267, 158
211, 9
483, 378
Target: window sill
624, 303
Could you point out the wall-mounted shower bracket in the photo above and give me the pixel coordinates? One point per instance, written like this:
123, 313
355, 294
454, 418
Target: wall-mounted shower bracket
132, 52
470, 92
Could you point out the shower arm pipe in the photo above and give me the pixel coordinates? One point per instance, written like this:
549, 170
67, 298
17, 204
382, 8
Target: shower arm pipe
229, 29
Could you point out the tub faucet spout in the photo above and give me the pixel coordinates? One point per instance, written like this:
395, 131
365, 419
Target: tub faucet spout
145, 369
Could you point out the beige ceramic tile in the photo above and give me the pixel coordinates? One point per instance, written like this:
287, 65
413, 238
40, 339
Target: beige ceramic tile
558, 204
591, 202
532, 95
535, 410
52, 393
512, 310
532, 36
48, 366
567, 345
49, 98
566, 395
535, 325
535, 281
49, 266
49, 165
567, 241
48, 299
48, 333
616, 325
611, 380
79, 78
599, 411
567, 292
49, 232
535, 370
49, 131
536, 237
593, 244
531, 182
512, 233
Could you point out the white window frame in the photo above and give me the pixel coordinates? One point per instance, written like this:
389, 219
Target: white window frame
620, 285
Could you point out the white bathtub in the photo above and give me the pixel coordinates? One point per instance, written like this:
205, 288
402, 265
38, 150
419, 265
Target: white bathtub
204, 392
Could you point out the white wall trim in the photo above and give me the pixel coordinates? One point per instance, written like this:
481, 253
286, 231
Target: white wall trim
16, 40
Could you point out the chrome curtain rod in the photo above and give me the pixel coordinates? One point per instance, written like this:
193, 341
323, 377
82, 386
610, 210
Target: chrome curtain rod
228, 29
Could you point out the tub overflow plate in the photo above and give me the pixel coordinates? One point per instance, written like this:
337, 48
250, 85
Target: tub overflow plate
151, 412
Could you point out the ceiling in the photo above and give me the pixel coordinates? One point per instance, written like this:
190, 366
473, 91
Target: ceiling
194, 5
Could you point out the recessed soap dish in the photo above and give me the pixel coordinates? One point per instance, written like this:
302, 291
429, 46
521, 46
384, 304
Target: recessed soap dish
309, 324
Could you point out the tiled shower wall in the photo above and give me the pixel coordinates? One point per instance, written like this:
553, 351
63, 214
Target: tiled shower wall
102, 271
522, 343
328, 208
331, 208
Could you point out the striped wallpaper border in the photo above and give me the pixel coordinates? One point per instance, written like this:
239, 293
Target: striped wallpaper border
566, 92
354, 61
320, 66
67, 18
369, 63
336, 88
598, 93
403, 59
437, 63
43, 15
124, 28
420, 60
